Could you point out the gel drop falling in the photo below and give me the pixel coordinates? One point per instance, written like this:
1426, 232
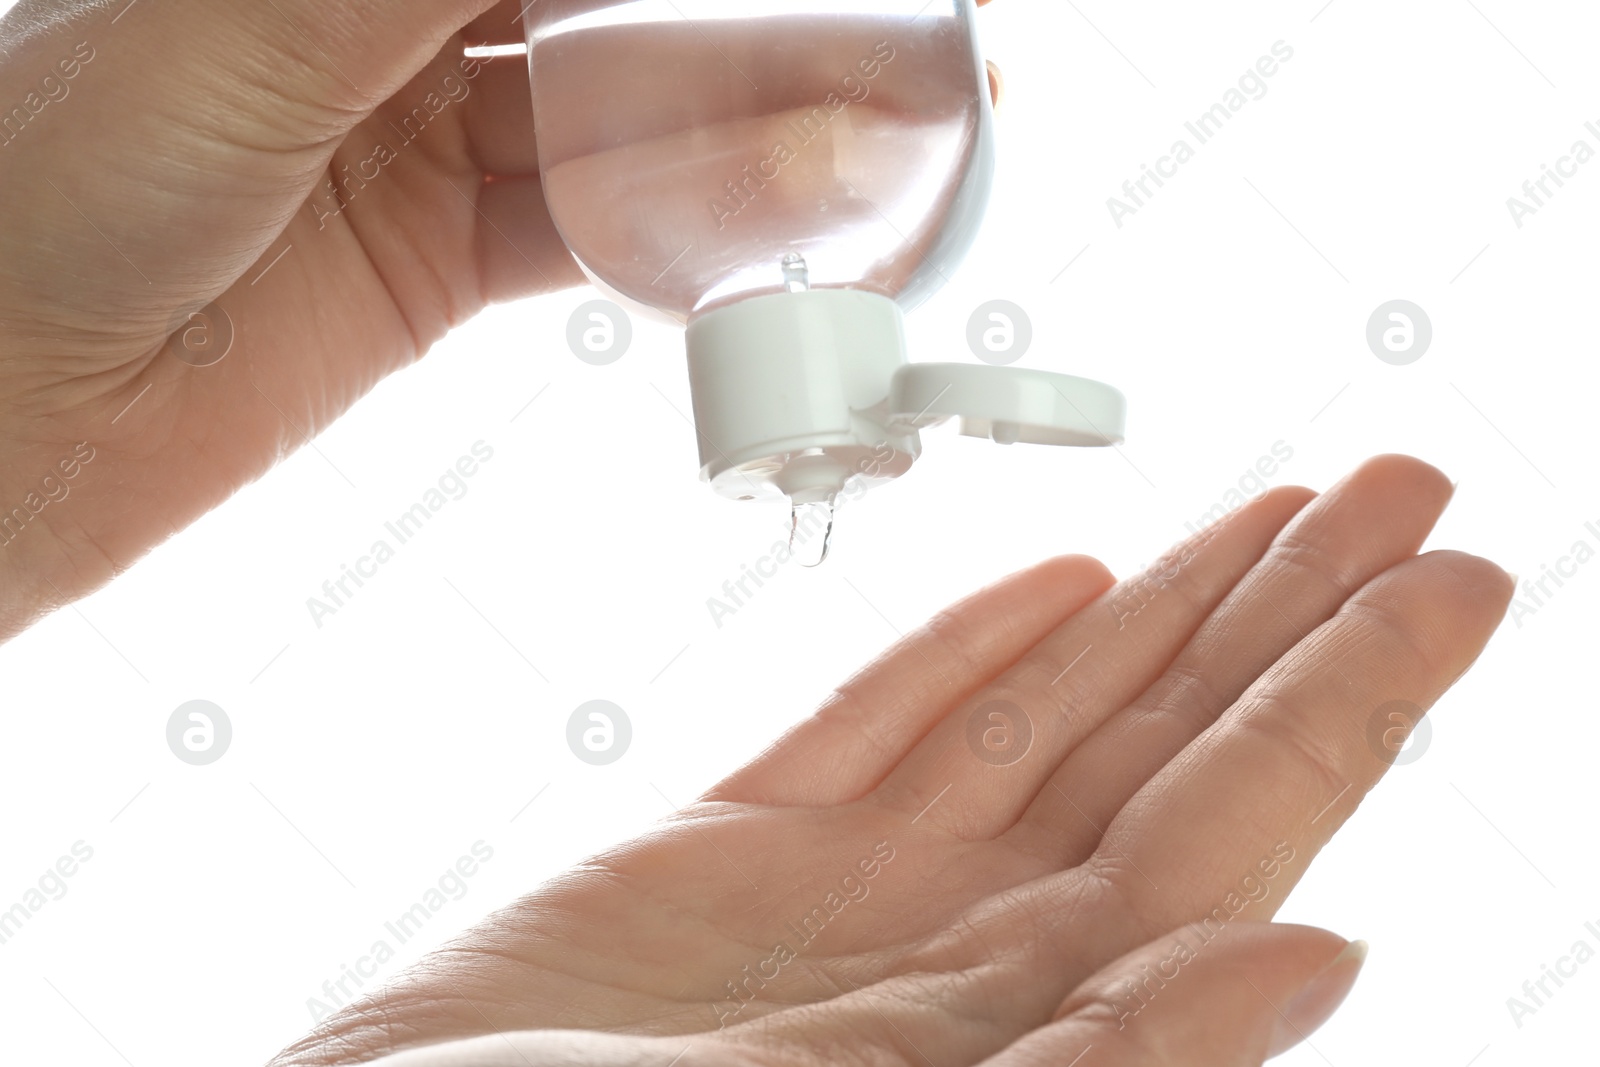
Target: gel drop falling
811, 549
810, 552
796, 275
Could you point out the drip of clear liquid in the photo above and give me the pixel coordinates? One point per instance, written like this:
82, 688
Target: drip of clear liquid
810, 531
796, 275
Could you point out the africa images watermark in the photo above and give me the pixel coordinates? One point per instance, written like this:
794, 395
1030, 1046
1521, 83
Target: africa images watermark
1203, 128
51, 885
53, 488
1133, 596
1535, 593
1253, 888
53, 88
743, 988
743, 190
452, 485
338, 192
451, 885
736, 592
1251, 483
1566, 166
1566, 967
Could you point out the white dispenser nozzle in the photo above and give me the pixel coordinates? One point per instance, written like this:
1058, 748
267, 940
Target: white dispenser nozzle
796, 393
791, 394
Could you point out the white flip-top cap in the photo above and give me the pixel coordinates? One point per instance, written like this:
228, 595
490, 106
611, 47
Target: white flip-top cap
1009, 404
797, 393
791, 393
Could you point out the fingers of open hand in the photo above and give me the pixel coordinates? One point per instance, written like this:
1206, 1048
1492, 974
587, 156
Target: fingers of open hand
873, 720
1198, 999
1230, 825
1371, 520
998, 747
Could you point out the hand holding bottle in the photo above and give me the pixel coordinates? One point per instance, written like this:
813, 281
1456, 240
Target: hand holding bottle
319, 189
220, 159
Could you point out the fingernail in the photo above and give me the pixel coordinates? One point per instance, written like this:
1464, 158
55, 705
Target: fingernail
1318, 1000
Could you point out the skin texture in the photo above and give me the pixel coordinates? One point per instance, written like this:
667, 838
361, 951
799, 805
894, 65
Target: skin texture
1218, 1012
1191, 729
126, 210
1190, 764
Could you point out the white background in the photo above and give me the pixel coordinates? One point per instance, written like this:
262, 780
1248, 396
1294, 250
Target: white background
370, 753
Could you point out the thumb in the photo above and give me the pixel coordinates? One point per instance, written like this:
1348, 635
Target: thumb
1199, 998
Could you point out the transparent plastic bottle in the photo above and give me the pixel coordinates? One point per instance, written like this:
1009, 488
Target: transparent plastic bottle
697, 152
786, 177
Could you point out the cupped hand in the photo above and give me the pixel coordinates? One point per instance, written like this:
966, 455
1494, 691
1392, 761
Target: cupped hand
1048, 776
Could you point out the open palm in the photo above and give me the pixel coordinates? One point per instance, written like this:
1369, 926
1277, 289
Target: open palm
1049, 775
